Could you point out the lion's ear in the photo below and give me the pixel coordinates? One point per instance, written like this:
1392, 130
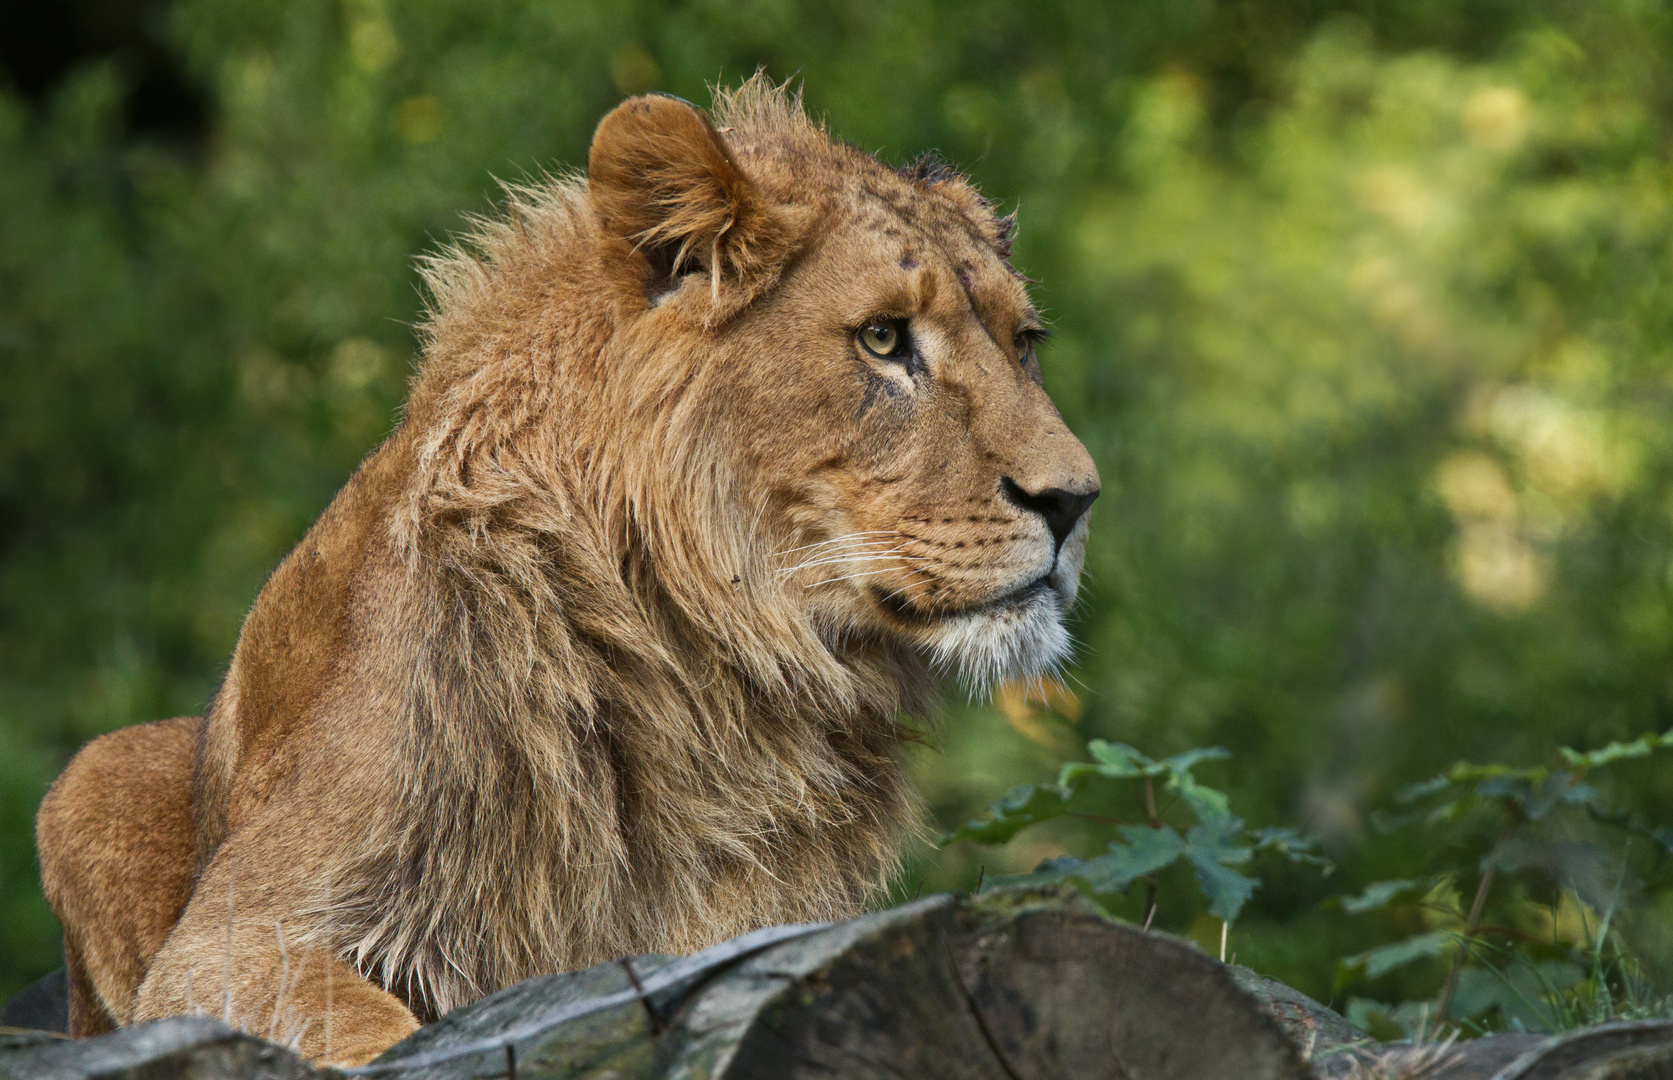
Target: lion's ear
663, 180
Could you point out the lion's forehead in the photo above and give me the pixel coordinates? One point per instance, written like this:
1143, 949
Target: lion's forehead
913, 224
919, 233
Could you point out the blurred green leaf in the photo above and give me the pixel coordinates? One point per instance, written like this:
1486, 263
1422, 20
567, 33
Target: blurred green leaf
1386, 958
1380, 894
1205, 802
1021, 807
1146, 851
1617, 751
1118, 760
1291, 845
1214, 847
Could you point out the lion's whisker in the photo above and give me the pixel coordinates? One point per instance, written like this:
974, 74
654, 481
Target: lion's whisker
856, 562
868, 545
816, 550
848, 577
869, 556
826, 558
839, 539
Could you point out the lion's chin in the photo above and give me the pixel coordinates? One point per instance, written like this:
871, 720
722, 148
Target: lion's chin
1019, 637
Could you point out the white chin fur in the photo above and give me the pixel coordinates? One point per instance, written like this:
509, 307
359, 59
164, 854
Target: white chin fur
1021, 640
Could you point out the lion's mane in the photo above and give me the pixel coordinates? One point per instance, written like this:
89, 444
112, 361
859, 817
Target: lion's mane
613, 730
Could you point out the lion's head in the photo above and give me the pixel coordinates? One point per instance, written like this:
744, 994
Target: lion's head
870, 357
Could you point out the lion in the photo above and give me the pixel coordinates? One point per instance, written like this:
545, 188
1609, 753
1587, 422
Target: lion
717, 460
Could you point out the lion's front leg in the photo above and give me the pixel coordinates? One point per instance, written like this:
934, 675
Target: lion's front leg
236, 954
115, 842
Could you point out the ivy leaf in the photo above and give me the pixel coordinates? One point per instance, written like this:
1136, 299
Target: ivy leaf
1380, 894
1022, 806
1049, 872
1180, 763
1450, 811
1226, 889
1118, 760
1661, 834
1146, 851
1285, 841
1205, 802
1534, 800
1580, 793
1213, 850
1561, 789
1219, 838
1387, 958
1415, 792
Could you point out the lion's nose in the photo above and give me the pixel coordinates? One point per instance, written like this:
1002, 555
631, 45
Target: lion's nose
1060, 507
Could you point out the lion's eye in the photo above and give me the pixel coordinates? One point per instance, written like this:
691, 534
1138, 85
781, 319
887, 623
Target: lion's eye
884, 339
1025, 341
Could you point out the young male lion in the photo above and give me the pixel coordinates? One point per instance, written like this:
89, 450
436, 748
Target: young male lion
713, 457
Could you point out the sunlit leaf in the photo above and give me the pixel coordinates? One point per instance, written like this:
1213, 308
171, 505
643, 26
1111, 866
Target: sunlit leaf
1618, 751
1205, 802
1186, 761
1466, 772
1119, 760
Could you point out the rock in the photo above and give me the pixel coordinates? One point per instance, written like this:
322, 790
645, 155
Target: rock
43, 1005
1639, 1050
181, 1046
1331, 1044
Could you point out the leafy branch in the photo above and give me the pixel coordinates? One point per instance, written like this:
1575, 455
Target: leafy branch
1215, 846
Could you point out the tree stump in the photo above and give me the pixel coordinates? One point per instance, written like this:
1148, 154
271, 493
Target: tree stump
1008, 985
1000, 987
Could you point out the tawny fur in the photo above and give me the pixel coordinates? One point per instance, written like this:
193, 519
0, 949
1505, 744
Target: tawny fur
612, 646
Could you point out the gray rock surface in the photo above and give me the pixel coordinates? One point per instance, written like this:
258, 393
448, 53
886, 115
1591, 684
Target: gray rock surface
43, 1005
187, 1047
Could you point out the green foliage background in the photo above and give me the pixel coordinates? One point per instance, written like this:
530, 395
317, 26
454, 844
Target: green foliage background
1363, 308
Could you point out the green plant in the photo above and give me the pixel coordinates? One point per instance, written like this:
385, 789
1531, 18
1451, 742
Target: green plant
1214, 846
1506, 963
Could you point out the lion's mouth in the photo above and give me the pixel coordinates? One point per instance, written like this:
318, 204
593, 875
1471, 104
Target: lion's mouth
903, 609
